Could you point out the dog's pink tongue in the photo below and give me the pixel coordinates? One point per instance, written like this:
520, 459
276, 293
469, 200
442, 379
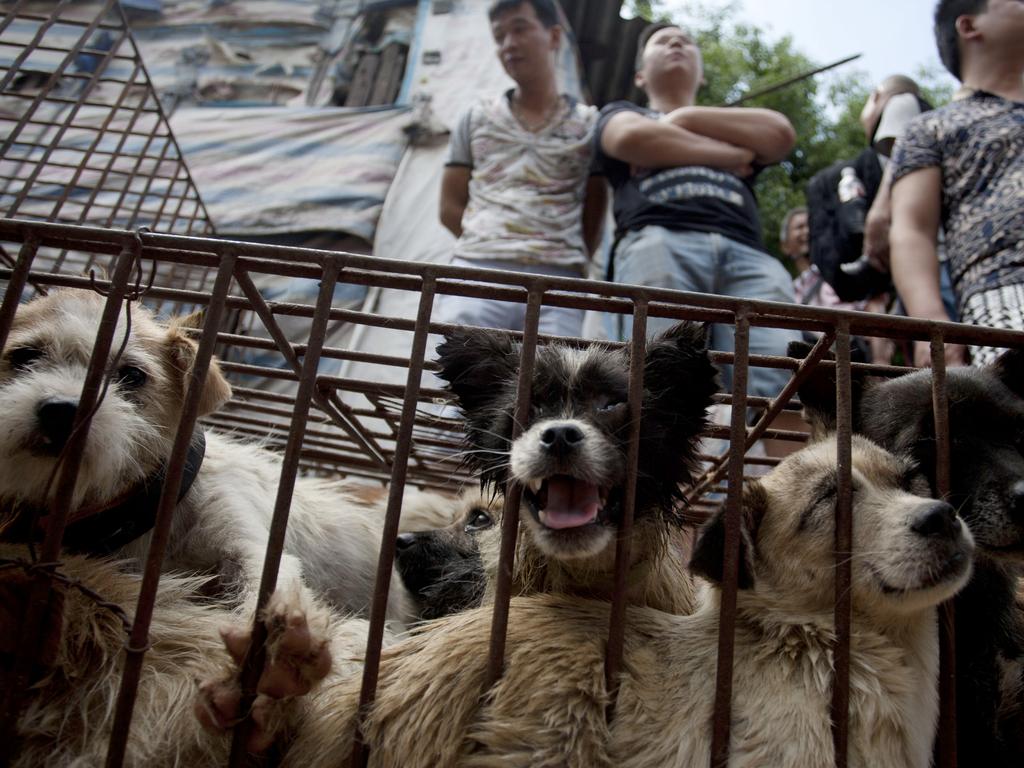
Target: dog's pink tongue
570, 503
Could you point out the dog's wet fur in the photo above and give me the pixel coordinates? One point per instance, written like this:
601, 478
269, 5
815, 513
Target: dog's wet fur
221, 524
986, 430
570, 458
549, 707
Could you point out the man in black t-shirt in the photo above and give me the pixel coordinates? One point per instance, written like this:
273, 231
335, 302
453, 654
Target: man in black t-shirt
684, 202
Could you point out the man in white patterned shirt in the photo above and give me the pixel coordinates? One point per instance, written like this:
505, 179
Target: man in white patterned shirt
517, 190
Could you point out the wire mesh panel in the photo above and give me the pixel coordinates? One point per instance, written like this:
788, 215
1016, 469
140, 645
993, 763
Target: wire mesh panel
85, 139
386, 419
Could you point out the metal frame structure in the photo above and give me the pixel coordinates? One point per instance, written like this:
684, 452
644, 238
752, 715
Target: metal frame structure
84, 136
391, 433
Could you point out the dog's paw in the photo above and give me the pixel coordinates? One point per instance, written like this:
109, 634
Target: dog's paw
218, 708
297, 657
298, 652
297, 647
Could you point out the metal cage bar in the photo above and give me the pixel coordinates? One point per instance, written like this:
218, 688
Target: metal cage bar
387, 434
617, 615
67, 473
375, 635
256, 654
731, 564
510, 515
138, 641
840, 709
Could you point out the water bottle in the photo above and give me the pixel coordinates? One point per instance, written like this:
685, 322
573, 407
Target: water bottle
850, 187
853, 202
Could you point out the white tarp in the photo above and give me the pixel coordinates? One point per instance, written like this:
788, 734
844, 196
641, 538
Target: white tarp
270, 170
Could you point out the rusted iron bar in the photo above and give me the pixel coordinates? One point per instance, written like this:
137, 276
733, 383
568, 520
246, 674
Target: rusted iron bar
452, 280
840, 709
730, 568
945, 743
386, 559
192, 190
34, 623
138, 641
17, 11
624, 536
255, 658
90, 150
513, 495
331, 406
775, 407
15, 285
53, 143
19, 61
341, 415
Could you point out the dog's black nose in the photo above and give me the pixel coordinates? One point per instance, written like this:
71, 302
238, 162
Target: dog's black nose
55, 417
562, 439
406, 540
938, 519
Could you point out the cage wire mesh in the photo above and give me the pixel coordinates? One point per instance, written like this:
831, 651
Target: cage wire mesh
89, 164
85, 138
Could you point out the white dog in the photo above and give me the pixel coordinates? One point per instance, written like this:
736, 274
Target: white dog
548, 709
222, 521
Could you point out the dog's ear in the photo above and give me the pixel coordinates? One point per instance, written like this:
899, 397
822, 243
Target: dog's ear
477, 364
194, 321
679, 384
182, 351
1009, 369
818, 393
708, 558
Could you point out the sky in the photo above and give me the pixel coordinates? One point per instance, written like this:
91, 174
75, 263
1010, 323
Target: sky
894, 36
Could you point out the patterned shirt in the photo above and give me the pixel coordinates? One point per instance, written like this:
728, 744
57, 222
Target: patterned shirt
526, 188
978, 144
810, 288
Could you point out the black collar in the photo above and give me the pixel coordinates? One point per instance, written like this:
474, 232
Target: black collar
108, 529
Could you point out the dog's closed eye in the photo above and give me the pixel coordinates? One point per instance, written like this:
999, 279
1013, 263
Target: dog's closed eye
23, 357
824, 492
912, 480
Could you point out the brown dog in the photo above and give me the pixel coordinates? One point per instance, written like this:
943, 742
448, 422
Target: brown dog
549, 708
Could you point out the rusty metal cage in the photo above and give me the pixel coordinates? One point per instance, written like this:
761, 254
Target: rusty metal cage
85, 137
364, 426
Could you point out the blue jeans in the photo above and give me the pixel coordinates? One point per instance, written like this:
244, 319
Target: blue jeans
506, 315
710, 263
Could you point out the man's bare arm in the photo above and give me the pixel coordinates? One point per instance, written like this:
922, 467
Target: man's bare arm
640, 141
877, 223
595, 207
454, 197
916, 212
766, 132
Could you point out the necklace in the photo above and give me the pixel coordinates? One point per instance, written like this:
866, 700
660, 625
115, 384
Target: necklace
536, 125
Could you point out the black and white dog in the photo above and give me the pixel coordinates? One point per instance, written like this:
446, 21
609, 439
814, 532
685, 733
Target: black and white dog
442, 568
570, 456
986, 430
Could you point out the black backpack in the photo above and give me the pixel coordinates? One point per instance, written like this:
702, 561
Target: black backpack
837, 229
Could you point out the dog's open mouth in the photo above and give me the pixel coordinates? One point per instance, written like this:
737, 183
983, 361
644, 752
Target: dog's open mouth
563, 501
